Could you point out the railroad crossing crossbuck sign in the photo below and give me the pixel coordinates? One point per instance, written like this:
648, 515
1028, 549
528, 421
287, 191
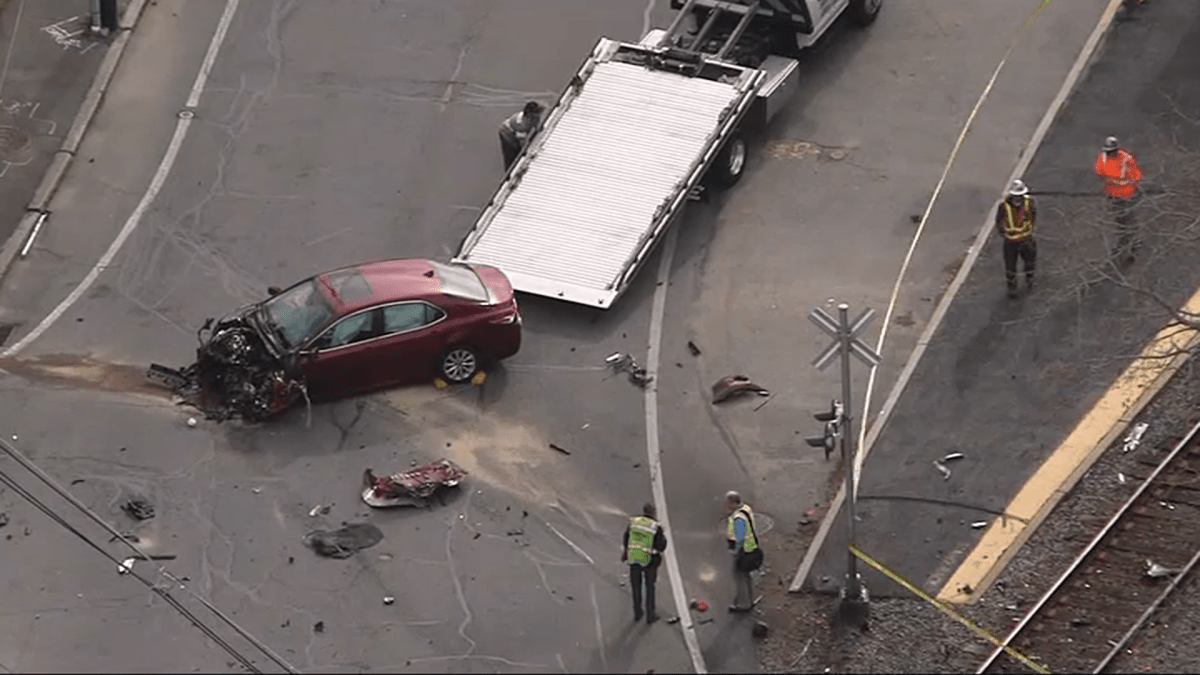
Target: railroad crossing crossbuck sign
844, 334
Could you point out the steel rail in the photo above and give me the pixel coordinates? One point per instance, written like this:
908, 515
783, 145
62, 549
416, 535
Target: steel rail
1088, 549
1162, 597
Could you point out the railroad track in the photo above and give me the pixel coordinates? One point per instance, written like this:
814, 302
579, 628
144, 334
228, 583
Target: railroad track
1114, 586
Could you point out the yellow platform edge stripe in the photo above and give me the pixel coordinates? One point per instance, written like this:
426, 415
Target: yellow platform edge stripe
1100, 426
947, 610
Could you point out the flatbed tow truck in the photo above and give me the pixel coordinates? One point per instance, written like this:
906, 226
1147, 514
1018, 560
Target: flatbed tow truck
641, 129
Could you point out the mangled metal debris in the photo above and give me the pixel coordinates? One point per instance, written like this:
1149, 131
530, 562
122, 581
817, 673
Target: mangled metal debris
953, 456
1134, 437
942, 468
138, 509
733, 385
1156, 571
236, 374
410, 488
620, 362
344, 542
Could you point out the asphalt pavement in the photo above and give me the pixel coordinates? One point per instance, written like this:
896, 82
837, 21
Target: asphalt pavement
1005, 381
48, 58
338, 131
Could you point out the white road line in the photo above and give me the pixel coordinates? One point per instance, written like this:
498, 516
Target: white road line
654, 456
156, 183
960, 278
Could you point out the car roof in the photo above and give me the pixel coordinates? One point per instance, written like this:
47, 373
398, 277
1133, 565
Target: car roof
387, 281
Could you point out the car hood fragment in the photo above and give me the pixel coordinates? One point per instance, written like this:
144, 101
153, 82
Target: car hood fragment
236, 373
410, 488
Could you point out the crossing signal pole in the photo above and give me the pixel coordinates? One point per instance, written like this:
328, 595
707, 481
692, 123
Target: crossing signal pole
839, 421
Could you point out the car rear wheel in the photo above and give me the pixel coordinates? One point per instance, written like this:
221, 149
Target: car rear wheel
459, 364
864, 12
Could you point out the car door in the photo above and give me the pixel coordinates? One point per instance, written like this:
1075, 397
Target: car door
339, 362
412, 341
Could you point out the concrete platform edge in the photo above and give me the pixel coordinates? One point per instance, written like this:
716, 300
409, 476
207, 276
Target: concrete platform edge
1084, 61
1063, 490
83, 119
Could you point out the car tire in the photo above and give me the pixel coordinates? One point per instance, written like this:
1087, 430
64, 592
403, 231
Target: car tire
864, 12
730, 163
459, 364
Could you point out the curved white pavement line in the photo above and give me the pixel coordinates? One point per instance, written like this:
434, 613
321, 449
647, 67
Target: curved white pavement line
1035, 141
152, 190
654, 456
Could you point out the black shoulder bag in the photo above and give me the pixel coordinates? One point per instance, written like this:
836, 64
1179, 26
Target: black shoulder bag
748, 562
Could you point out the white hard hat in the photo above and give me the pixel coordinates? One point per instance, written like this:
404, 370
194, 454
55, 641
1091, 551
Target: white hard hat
1111, 144
1018, 188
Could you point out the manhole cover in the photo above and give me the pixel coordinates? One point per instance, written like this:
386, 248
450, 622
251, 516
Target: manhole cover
14, 142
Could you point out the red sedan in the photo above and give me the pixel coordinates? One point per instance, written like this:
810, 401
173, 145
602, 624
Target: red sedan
378, 324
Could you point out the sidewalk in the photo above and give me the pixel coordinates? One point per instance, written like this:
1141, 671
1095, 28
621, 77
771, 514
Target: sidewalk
49, 63
1005, 382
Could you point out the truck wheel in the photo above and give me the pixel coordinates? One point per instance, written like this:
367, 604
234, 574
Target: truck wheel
730, 163
864, 12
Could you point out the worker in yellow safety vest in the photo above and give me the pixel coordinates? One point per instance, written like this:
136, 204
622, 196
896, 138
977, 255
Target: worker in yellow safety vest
748, 557
1014, 221
642, 547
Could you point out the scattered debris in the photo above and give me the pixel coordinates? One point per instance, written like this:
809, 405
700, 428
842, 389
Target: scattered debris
560, 449
699, 605
1081, 621
625, 363
1156, 571
979, 524
256, 490
693, 348
704, 621
236, 373
3, 519
673, 620
1134, 438
138, 509
77, 481
126, 566
387, 599
732, 385
126, 536
1120, 478
319, 509
319, 627
344, 542
514, 533
760, 629
586, 425
191, 422
413, 487
943, 468
805, 521
953, 456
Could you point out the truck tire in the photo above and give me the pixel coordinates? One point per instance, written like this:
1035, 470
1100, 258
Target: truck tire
730, 163
864, 12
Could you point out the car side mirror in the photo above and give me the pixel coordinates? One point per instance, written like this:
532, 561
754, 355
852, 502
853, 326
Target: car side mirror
274, 290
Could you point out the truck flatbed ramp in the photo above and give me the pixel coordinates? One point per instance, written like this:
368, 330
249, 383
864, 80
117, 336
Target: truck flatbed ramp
614, 162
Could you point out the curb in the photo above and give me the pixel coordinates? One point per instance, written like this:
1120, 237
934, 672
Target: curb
1082, 64
62, 159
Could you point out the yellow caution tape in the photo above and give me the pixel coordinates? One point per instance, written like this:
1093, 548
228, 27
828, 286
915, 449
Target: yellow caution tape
945, 609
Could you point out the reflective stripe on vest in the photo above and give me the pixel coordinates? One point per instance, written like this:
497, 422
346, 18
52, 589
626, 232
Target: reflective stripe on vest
1016, 230
1118, 185
749, 543
641, 539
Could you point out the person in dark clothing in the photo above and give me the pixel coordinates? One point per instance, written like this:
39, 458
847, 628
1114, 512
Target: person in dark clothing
642, 547
1015, 218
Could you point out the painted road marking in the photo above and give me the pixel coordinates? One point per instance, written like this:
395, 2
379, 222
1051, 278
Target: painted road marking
152, 190
939, 313
654, 455
66, 38
1066, 465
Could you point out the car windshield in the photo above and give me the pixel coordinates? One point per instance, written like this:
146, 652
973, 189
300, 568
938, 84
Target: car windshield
298, 313
460, 281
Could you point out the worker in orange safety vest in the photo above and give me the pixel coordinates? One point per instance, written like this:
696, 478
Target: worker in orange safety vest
1121, 174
